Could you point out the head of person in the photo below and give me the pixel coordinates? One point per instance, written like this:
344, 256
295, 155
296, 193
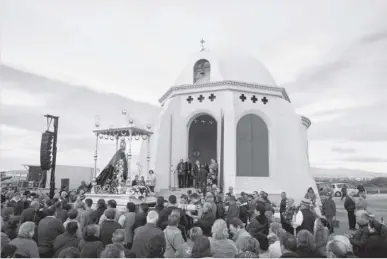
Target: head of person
118, 237
283, 195
173, 220
89, 203
336, 249
374, 226
50, 211
260, 208
230, 189
197, 162
142, 178
136, 177
110, 214
201, 247
151, 172
219, 230
72, 228
131, 207
83, 183
288, 243
113, 251
69, 252
7, 212
345, 241
72, 214
236, 225
172, 200
160, 201
183, 199
194, 233
144, 208
275, 227
305, 204
92, 231
112, 204
207, 208
362, 217
249, 244
289, 202
176, 212
152, 217
209, 197
250, 198
195, 198
231, 199
26, 230
255, 195
310, 190
101, 204
306, 239
94, 217
351, 194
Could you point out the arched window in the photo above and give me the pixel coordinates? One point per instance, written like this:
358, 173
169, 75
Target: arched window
201, 71
252, 146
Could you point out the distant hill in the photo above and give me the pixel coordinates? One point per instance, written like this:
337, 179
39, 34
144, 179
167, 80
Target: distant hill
344, 172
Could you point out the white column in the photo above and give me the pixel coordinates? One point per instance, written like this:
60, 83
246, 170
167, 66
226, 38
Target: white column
130, 155
147, 155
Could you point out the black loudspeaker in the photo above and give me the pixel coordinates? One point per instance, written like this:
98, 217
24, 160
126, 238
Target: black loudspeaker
46, 150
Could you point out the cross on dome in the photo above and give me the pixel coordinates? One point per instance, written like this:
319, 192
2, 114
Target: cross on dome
202, 44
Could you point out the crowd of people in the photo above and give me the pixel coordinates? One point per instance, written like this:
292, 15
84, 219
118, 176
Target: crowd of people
196, 224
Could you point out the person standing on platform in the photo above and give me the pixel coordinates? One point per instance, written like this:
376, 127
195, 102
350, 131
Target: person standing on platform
180, 173
203, 179
152, 181
196, 170
188, 176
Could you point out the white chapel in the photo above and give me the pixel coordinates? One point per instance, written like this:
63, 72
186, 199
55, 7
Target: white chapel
228, 107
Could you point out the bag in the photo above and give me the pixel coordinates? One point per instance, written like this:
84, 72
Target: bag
336, 223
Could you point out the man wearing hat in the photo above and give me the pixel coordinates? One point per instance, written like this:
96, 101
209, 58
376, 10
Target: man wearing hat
305, 217
329, 211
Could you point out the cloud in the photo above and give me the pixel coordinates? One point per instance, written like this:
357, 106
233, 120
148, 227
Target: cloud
343, 150
364, 159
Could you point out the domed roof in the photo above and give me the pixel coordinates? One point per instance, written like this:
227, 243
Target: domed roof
234, 66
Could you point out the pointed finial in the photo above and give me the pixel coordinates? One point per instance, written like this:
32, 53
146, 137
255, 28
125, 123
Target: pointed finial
202, 44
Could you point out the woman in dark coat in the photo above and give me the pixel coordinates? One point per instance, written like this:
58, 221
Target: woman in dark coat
206, 220
376, 244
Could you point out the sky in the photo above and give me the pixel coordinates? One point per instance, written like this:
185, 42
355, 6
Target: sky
82, 58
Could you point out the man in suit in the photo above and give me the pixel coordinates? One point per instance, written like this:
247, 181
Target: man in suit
181, 173
196, 170
188, 180
143, 235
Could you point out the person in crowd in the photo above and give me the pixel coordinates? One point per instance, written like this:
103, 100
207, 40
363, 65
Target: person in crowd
101, 207
344, 191
113, 251
72, 217
283, 203
347, 244
289, 246
156, 247
8, 251
181, 173
361, 202
274, 237
7, 213
173, 237
127, 221
142, 246
350, 207
233, 210
152, 181
140, 219
211, 199
31, 213
202, 178
48, 229
85, 216
321, 235
108, 226
61, 212
136, 181
163, 218
290, 212
195, 170
67, 239
25, 246
305, 218
182, 229
258, 223
159, 204
4, 238
221, 246
206, 219
201, 248
238, 232
311, 196
375, 246
91, 246
249, 248
11, 228
336, 249
119, 238
329, 211
185, 250
82, 187
69, 252
220, 207
306, 246
359, 238
243, 209
111, 204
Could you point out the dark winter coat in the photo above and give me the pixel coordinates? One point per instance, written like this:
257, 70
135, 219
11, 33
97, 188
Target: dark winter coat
359, 239
349, 204
90, 247
163, 217
375, 246
205, 223
142, 237
63, 241
258, 224
329, 208
107, 229
305, 252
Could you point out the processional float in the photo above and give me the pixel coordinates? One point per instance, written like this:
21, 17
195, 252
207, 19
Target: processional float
127, 135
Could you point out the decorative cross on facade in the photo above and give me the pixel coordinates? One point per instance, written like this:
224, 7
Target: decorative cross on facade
201, 98
212, 97
202, 44
254, 99
189, 99
265, 100
242, 97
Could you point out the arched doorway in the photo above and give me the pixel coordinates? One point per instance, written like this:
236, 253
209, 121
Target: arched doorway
252, 147
202, 139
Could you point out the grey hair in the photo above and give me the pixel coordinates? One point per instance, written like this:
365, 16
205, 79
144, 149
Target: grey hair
26, 229
304, 237
207, 207
345, 241
249, 244
219, 230
152, 217
195, 232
